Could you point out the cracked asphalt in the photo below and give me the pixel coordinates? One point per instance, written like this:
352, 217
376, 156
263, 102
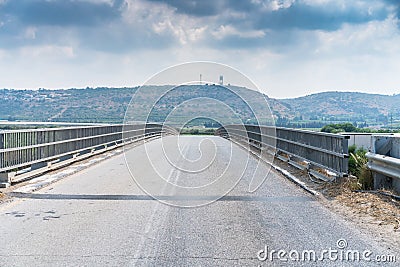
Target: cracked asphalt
101, 217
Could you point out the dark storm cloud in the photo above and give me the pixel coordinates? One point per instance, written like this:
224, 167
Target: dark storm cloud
63, 22
195, 7
59, 13
396, 5
282, 26
306, 17
298, 15
208, 7
100, 25
393, 2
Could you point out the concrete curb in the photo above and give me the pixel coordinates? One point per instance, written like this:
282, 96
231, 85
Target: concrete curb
295, 180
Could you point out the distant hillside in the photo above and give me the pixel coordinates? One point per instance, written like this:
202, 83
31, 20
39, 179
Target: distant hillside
343, 106
344, 103
72, 105
109, 105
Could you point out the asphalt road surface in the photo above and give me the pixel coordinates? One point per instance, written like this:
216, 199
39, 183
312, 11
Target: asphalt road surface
101, 217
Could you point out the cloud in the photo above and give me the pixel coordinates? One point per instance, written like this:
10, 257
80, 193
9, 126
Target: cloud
123, 25
288, 47
284, 14
60, 12
395, 6
329, 16
228, 30
195, 7
57, 22
272, 24
91, 25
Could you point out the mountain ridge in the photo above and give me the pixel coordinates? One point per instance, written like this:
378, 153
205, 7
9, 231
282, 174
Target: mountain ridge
106, 104
337, 103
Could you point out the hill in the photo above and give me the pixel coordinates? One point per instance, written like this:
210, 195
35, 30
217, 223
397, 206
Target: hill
373, 109
72, 105
109, 105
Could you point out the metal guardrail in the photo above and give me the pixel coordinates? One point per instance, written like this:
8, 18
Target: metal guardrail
25, 148
321, 150
385, 165
384, 161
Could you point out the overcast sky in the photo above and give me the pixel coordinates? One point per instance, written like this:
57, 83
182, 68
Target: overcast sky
288, 48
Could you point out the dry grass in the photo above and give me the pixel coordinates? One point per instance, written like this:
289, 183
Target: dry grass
385, 210
342, 186
366, 179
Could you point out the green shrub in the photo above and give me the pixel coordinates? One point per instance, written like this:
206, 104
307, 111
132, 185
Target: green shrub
358, 167
357, 160
340, 127
366, 179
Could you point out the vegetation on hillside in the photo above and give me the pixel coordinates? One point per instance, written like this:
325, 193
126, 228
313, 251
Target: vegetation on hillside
72, 105
108, 105
198, 131
340, 127
349, 127
361, 109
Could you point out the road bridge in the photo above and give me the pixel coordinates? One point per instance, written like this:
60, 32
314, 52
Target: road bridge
101, 217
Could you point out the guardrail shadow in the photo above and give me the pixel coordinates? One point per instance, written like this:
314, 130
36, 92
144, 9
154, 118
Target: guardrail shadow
146, 197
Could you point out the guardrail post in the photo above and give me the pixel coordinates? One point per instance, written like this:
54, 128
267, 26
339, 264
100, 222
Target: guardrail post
345, 162
6, 178
2, 140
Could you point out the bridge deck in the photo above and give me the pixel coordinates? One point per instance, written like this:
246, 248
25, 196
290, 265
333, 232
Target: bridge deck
100, 217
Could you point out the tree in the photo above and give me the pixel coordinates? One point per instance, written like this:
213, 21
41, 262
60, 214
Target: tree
340, 127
